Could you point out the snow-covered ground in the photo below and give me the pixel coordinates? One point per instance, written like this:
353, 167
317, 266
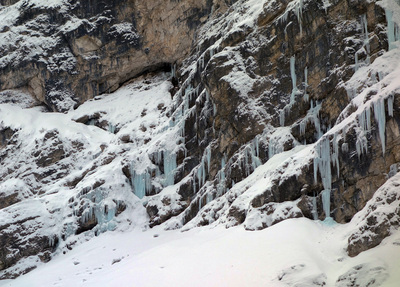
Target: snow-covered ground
296, 252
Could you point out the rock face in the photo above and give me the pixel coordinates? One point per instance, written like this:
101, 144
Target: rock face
67, 52
240, 112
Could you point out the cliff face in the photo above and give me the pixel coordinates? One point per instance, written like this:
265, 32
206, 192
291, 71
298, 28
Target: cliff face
245, 112
66, 52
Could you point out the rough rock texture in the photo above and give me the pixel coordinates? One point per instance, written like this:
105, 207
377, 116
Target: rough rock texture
271, 110
380, 217
67, 52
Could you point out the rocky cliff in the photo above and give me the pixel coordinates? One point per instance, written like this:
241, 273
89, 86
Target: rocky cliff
191, 113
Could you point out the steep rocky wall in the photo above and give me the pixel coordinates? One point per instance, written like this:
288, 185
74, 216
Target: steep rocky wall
279, 109
292, 64
71, 51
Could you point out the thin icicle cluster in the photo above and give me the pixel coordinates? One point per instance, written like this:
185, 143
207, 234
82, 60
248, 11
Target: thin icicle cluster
201, 171
141, 182
297, 8
365, 46
312, 116
287, 108
252, 156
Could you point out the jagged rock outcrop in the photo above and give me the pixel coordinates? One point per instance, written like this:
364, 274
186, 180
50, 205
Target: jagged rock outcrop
67, 52
245, 112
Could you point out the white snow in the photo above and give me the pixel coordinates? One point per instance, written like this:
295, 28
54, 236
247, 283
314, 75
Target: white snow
296, 252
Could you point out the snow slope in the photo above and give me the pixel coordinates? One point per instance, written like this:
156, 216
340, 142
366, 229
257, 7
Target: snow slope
296, 252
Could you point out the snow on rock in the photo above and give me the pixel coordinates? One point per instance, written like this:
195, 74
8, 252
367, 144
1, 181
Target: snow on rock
245, 131
378, 220
65, 181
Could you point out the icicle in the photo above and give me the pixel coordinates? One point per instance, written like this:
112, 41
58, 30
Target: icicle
274, 147
251, 153
345, 147
211, 51
364, 24
293, 94
365, 47
209, 198
312, 115
393, 33
314, 208
326, 202
173, 71
141, 183
298, 10
111, 128
293, 75
200, 203
335, 153
221, 179
208, 156
282, 117
390, 105
201, 171
169, 168
380, 118
306, 96
393, 170
365, 120
194, 184
322, 163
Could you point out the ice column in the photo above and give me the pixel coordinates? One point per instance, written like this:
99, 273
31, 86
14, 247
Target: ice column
322, 163
221, 178
306, 96
390, 105
169, 168
380, 118
392, 29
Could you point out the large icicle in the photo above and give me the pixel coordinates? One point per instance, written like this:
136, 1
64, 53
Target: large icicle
380, 118
141, 182
169, 168
322, 163
393, 33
